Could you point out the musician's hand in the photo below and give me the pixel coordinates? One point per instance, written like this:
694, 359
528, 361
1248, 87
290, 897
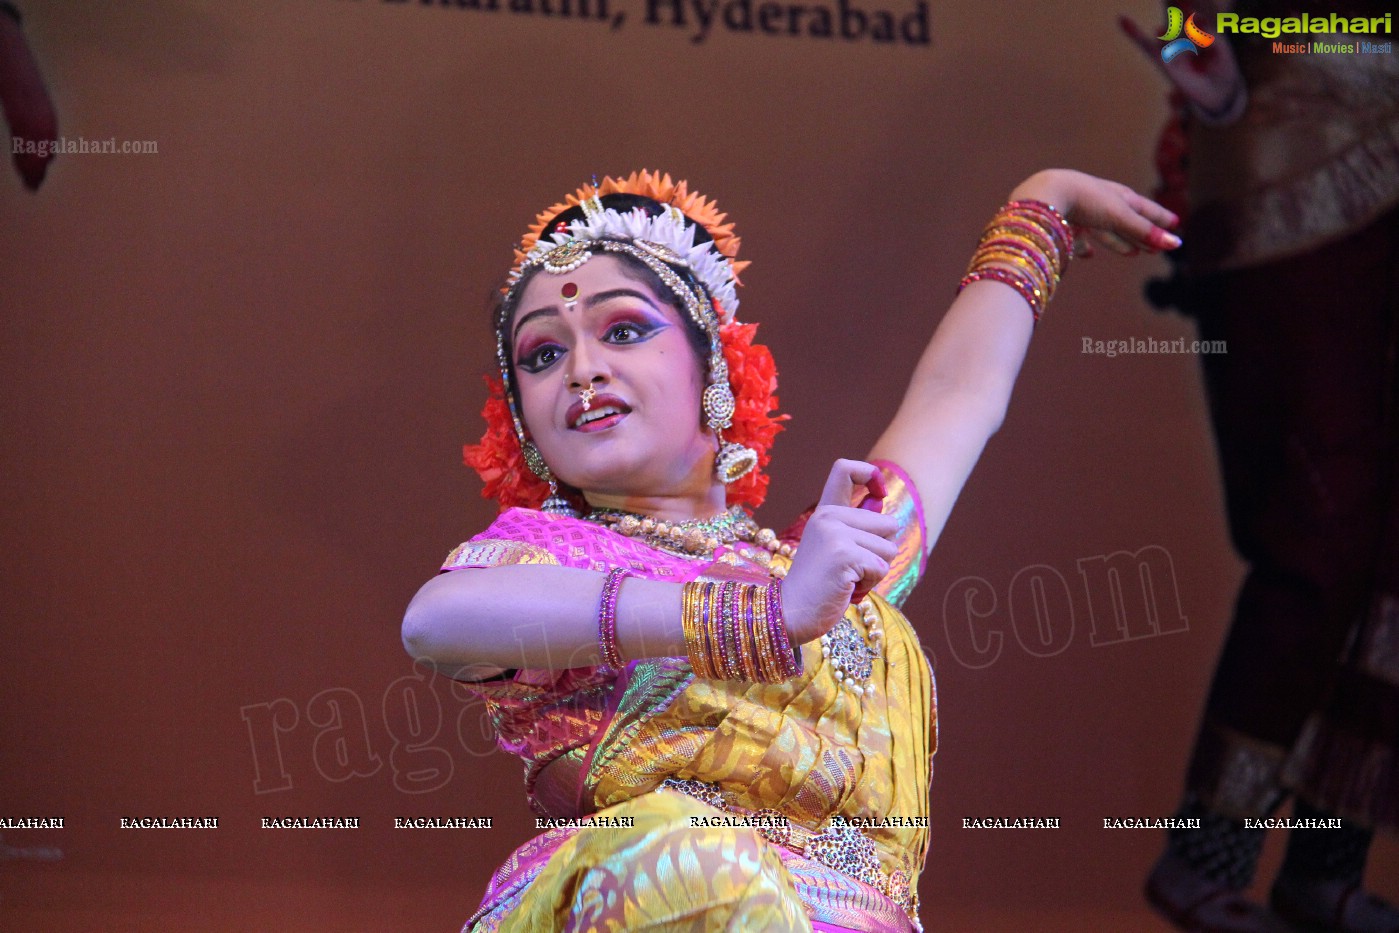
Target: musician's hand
1209, 79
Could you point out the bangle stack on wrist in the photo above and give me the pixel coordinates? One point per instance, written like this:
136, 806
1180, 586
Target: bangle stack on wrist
736, 631
607, 618
1027, 246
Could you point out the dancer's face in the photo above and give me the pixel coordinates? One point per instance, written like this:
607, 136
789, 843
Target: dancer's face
641, 433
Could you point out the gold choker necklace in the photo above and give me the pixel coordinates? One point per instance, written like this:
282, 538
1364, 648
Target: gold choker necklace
695, 537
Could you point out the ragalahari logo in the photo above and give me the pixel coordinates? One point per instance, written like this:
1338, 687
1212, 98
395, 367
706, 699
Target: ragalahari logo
1195, 37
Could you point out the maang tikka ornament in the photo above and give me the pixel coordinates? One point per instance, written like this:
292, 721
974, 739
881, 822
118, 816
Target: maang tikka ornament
737, 404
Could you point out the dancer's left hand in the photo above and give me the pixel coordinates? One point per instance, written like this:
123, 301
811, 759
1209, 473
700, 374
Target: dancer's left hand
1103, 212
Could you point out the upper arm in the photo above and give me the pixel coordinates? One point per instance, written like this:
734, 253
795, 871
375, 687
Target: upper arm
938, 443
958, 396
447, 595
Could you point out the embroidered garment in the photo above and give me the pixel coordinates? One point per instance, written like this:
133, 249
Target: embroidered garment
715, 804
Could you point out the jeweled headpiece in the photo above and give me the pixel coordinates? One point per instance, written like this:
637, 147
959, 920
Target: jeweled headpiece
681, 203
702, 274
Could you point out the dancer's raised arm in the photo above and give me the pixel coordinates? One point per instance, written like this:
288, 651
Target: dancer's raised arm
961, 386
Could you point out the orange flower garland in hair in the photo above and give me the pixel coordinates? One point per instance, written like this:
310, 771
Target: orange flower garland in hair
752, 371
498, 460
661, 189
753, 377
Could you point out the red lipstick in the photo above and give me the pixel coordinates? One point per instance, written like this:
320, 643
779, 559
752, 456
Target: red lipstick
597, 402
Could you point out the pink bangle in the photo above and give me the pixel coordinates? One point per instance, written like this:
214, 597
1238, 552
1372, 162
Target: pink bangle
1011, 244
607, 618
1026, 290
1058, 223
728, 630
1026, 245
790, 660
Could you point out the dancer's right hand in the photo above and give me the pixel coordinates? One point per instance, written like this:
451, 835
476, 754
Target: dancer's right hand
842, 547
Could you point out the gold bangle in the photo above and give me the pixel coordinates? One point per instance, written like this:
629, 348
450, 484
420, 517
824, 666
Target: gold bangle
691, 599
728, 632
1019, 266
748, 654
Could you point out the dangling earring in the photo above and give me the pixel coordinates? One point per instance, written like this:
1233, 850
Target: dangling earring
734, 461
555, 504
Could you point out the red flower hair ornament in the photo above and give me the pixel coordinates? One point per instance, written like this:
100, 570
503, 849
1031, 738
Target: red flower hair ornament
741, 400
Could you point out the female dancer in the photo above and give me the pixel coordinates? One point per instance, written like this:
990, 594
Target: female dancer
734, 728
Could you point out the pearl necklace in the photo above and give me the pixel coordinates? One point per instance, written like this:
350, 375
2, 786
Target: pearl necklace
844, 648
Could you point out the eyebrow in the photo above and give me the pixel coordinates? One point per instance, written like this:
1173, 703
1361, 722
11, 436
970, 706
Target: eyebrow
591, 302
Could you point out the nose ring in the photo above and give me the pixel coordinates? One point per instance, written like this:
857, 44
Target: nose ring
587, 396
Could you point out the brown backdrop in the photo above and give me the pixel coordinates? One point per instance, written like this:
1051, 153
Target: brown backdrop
238, 373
